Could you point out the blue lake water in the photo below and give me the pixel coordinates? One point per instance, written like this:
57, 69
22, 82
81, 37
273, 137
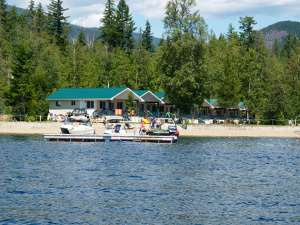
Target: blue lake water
195, 181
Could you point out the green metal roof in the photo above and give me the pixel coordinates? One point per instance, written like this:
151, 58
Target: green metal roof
140, 92
211, 101
159, 95
86, 93
240, 104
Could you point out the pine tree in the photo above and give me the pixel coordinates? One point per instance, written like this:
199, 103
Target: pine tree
81, 38
40, 18
231, 33
148, 38
229, 92
247, 35
125, 27
3, 12
58, 28
20, 91
109, 25
275, 48
181, 61
30, 11
11, 24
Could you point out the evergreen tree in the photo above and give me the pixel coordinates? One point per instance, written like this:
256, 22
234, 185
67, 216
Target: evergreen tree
229, 91
3, 12
30, 11
29, 16
20, 91
292, 80
58, 26
108, 32
247, 35
122, 73
81, 38
182, 71
40, 18
275, 48
231, 33
148, 38
12, 26
125, 27
289, 46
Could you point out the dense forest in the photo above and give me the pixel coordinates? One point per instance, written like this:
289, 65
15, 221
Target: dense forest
37, 58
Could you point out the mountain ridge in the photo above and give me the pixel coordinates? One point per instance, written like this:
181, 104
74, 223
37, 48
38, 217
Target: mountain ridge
279, 31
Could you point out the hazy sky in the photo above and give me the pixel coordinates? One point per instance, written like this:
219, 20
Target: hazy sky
218, 14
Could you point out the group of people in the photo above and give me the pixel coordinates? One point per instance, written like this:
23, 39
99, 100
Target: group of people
156, 124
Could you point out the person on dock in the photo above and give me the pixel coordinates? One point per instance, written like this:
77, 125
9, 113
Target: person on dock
158, 124
143, 128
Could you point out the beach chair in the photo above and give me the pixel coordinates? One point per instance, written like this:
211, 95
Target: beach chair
118, 127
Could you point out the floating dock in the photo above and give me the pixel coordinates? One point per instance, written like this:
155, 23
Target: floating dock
104, 138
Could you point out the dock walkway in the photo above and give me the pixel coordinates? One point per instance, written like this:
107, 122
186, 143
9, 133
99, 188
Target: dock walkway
104, 138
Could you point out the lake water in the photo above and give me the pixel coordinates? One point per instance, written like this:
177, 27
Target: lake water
195, 181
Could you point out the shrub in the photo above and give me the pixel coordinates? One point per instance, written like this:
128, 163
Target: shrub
30, 118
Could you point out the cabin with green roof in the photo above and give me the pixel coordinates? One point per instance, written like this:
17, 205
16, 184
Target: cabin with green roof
90, 99
97, 102
211, 109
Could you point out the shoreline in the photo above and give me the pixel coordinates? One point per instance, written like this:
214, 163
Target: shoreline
191, 131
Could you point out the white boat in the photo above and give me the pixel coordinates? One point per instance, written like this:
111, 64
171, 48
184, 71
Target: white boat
66, 127
85, 127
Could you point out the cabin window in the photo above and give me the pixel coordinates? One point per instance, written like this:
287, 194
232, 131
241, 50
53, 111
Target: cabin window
231, 113
89, 104
203, 112
148, 107
102, 105
73, 102
112, 105
58, 103
161, 108
119, 105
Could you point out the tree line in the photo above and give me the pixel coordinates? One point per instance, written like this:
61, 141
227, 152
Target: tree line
37, 58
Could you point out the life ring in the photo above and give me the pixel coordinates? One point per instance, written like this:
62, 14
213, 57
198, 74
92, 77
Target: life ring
60, 118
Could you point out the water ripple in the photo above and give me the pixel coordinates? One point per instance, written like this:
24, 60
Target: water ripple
195, 181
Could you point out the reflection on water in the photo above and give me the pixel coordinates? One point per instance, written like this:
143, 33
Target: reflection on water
196, 181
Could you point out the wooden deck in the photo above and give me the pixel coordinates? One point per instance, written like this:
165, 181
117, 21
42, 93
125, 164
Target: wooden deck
104, 138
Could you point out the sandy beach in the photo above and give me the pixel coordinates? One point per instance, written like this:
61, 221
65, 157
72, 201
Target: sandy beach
192, 130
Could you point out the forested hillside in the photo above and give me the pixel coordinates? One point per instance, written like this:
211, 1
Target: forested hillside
37, 58
89, 32
279, 31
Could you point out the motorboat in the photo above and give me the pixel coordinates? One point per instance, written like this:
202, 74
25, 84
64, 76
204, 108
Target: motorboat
85, 127
66, 127
155, 128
